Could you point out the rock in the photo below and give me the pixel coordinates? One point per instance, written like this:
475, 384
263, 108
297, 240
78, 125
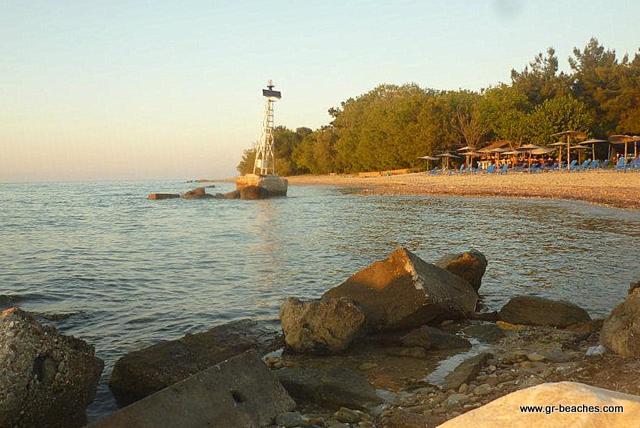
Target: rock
431, 337
235, 194
633, 286
334, 388
161, 196
322, 326
483, 389
621, 330
238, 392
197, 193
403, 291
143, 372
456, 400
253, 192
290, 420
463, 388
503, 412
470, 266
412, 352
347, 416
534, 310
400, 418
466, 371
486, 332
46, 379
485, 316
534, 356
367, 366
508, 326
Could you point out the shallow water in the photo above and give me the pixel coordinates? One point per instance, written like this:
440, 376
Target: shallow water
134, 271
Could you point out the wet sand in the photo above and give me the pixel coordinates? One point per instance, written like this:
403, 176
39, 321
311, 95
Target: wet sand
617, 189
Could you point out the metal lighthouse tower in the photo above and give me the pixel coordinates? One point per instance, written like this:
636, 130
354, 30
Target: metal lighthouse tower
265, 163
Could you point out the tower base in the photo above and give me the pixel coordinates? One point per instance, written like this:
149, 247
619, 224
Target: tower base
273, 184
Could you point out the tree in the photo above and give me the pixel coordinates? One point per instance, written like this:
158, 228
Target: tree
245, 166
540, 80
556, 115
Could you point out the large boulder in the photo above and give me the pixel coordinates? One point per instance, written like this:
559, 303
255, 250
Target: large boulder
331, 388
143, 372
466, 371
237, 393
534, 310
46, 379
470, 266
578, 401
403, 291
322, 326
254, 192
621, 330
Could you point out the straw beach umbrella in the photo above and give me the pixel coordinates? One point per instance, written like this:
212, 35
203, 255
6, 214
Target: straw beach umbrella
593, 143
623, 139
529, 148
569, 135
498, 151
447, 156
428, 159
558, 147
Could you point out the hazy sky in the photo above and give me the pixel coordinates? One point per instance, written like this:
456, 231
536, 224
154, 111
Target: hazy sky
127, 90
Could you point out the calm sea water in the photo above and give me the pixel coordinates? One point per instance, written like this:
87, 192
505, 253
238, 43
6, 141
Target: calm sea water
133, 272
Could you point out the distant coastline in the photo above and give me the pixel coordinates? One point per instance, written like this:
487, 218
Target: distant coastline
611, 188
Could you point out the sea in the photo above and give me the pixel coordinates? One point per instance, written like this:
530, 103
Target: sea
101, 262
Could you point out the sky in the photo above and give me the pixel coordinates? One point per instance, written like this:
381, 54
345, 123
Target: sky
127, 90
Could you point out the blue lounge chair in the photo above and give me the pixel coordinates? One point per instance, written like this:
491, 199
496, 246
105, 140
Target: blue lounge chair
585, 164
621, 164
594, 164
573, 166
504, 169
605, 164
491, 169
461, 170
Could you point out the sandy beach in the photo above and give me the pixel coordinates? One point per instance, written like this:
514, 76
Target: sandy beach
610, 188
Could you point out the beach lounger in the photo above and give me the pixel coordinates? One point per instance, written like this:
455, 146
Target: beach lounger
573, 166
585, 164
621, 165
504, 169
491, 169
605, 164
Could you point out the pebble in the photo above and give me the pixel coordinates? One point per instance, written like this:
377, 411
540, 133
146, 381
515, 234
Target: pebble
534, 356
367, 366
456, 399
483, 389
289, 419
347, 415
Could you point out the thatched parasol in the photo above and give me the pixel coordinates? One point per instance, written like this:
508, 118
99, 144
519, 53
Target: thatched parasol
593, 143
529, 148
428, 159
625, 139
580, 135
447, 156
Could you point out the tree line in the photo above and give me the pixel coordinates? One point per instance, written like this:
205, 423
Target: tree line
390, 126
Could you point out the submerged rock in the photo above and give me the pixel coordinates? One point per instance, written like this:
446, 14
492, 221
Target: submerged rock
253, 192
576, 399
143, 372
235, 194
431, 337
470, 266
534, 310
322, 326
403, 291
485, 332
161, 196
46, 379
621, 330
333, 388
197, 193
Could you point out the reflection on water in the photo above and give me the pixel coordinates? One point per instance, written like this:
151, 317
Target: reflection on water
139, 271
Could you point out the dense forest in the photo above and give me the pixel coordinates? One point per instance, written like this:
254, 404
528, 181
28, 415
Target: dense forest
391, 126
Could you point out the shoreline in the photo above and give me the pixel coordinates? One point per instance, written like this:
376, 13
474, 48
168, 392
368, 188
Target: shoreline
610, 188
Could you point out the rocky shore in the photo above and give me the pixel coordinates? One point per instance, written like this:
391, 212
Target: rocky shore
401, 343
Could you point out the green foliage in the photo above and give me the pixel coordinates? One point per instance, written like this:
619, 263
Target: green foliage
390, 126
